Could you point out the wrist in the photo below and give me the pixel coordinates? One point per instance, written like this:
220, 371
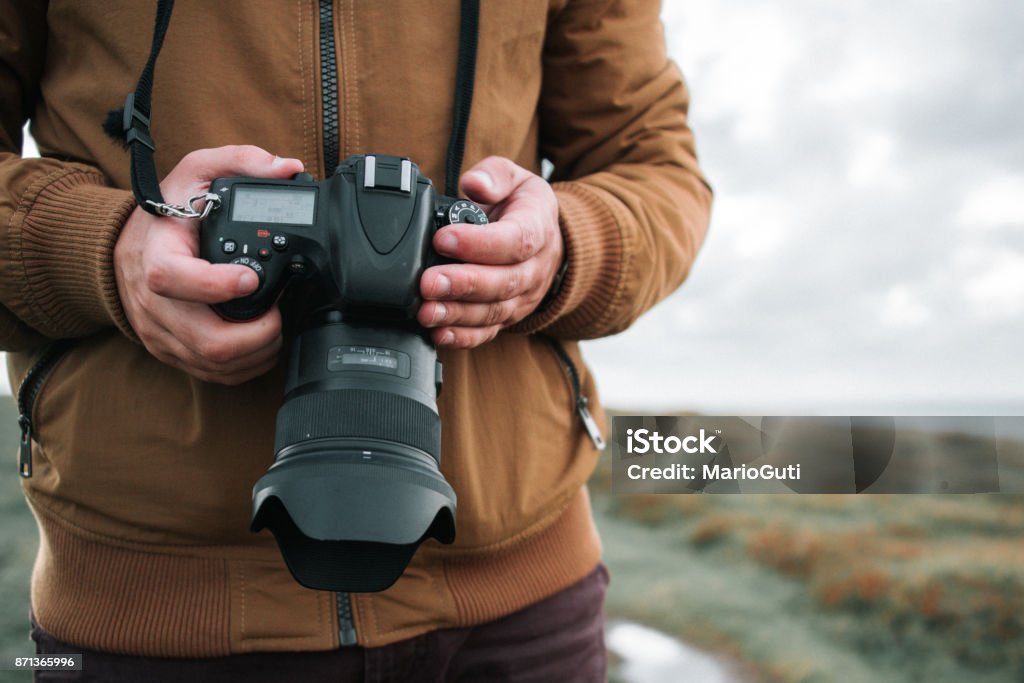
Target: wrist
556, 283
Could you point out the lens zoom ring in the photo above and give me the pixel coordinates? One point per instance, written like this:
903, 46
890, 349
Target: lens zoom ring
359, 413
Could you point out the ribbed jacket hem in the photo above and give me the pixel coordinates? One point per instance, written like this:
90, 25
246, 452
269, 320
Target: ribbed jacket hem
499, 583
117, 598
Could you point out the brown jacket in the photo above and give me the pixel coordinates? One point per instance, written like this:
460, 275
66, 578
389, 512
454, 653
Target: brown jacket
143, 474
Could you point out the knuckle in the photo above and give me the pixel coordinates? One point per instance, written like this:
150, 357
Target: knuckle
197, 157
529, 241
233, 380
215, 350
470, 282
533, 276
242, 154
495, 162
511, 285
496, 313
202, 375
208, 280
463, 340
157, 276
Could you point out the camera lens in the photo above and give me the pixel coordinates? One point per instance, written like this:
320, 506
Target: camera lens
356, 484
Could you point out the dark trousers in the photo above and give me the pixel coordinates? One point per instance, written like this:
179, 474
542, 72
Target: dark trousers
559, 639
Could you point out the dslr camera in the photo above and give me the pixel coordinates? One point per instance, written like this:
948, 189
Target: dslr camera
356, 484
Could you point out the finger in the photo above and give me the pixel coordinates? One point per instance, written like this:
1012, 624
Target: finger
493, 180
240, 364
513, 239
218, 377
162, 343
471, 282
463, 337
460, 314
218, 341
207, 341
203, 165
186, 278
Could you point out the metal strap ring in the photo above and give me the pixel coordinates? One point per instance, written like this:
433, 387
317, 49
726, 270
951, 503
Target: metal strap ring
188, 210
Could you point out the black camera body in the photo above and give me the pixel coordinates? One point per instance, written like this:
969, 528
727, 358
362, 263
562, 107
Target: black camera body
362, 236
356, 485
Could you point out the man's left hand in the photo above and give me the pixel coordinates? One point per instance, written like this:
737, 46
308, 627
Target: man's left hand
507, 266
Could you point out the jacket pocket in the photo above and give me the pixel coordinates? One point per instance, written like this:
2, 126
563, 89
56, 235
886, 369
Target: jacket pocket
29, 390
512, 446
580, 401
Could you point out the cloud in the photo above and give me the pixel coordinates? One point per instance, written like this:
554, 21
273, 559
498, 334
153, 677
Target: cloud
995, 203
902, 307
996, 290
864, 248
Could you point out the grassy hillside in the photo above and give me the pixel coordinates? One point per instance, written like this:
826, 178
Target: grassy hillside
826, 588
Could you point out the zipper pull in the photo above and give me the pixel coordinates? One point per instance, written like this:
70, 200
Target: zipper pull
25, 451
589, 423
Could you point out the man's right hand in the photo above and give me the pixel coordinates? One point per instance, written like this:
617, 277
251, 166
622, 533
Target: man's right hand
166, 289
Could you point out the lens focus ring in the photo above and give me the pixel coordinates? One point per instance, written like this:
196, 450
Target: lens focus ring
359, 413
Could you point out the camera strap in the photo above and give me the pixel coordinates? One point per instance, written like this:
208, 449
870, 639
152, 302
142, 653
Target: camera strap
130, 125
465, 75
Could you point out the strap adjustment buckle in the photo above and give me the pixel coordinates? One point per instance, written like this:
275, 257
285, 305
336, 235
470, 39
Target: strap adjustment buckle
135, 124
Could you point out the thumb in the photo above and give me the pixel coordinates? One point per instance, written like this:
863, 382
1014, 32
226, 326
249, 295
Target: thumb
204, 165
493, 180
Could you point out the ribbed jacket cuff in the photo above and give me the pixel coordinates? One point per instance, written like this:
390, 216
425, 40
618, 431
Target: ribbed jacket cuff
594, 247
70, 222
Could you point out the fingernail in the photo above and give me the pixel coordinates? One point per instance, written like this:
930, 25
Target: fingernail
440, 313
280, 161
448, 337
482, 177
247, 282
447, 243
442, 285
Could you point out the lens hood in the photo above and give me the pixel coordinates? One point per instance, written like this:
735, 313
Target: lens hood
349, 516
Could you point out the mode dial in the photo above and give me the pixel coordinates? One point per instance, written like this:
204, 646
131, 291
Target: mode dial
464, 211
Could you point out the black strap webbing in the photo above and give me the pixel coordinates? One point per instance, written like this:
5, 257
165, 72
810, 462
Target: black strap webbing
131, 124
469, 27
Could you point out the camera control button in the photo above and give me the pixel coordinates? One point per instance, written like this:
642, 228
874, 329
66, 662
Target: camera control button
264, 254
252, 263
229, 246
280, 241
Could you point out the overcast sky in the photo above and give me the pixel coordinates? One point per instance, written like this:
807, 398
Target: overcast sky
866, 253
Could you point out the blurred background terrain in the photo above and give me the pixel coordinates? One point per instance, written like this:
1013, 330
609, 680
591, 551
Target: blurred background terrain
743, 588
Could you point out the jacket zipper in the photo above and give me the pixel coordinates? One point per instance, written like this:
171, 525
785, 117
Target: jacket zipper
329, 87
589, 423
329, 103
28, 393
346, 624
